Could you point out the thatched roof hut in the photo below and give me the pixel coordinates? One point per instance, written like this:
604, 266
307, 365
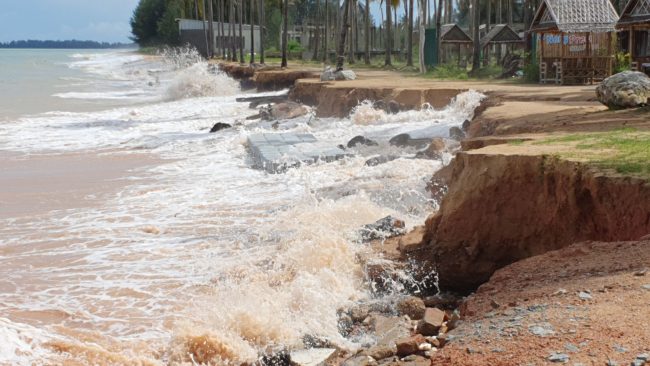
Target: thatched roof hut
452, 33
574, 40
501, 34
635, 35
574, 16
454, 40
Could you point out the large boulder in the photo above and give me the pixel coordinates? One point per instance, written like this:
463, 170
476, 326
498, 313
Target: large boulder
628, 89
345, 75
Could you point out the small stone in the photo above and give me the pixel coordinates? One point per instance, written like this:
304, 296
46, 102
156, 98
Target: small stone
571, 348
360, 360
611, 363
380, 352
471, 350
431, 322
584, 295
637, 362
453, 320
410, 345
560, 292
643, 357
541, 331
641, 273
411, 306
494, 304
498, 350
361, 140
359, 313
425, 347
558, 357
455, 133
620, 349
312, 356
219, 126
410, 358
646, 287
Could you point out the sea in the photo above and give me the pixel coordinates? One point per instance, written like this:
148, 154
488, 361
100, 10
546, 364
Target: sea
194, 253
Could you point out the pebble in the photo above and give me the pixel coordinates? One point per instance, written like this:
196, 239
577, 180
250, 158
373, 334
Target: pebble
646, 287
611, 363
620, 349
643, 357
641, 272
571, 348
541, 331
558, 357
584, 295
637, 362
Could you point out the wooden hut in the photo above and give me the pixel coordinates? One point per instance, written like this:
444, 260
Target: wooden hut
635, 35
499, 37
453, 38
574, 40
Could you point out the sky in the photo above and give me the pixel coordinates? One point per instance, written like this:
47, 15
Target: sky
96, 20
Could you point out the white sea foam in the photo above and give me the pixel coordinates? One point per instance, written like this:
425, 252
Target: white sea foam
202, 245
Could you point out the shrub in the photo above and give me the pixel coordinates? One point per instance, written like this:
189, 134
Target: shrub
622, 62
449, 71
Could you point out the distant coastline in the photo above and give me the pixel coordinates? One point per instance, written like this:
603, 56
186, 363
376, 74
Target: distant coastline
67, 44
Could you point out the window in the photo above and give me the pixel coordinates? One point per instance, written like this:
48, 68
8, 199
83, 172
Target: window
642, 43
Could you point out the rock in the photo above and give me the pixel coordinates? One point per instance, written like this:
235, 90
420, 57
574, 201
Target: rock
637, 362
453, 321
415, 360
465, 125
380, 352
434, 151
646, 287
584, 295
381, 159
389, 329
219, 126
387, 227
641, 273
312, 341
411, 241
286, 110
361, 140
628, 89
643, 357
411, 306
455, 133
431, 322
312, 356
327, 75
360, 360
558, 357
409, 345
442, 301
344, 75
571, 348
393, 107
541, 330
359, 312
277, 358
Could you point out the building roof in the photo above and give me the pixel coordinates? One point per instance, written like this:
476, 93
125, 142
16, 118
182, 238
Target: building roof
575, 16
452, 33
635, 12
501, 33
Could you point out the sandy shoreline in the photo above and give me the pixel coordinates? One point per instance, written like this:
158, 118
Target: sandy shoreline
36, 184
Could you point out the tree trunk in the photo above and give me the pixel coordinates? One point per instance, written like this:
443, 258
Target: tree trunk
318, 23
511, 5
262, 21
396, 38
207, 34
252, 24
327, 32
210, 28
350, 36
500, 12
232, 34
389, 34
409, 34
222, 18
285, 32
422, 10
488, 24
366, 40
241, 32
476, 62
438, 29
196, 9
340, 54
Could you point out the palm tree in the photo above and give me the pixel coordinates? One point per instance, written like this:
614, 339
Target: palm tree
241, 32
366, 40
262, 30
438, 29
318, 23
211, 29
422, 18
409, 35
476, 15
327, 29
222, 18
340, 54
285, 31
231, 33
252, 24
389, 35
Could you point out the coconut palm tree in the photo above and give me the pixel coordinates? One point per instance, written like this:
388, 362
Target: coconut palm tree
285, 31
210, 29
422, 19
340, 54
389, 35
241, 31
317, 23
366, 34
438, 29
262, 22
252, 24
476, 16
327, 31
409, 35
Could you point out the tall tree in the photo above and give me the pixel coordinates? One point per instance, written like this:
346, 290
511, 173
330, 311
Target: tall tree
210, 29
327, 32
438, 31
318, 23
241, 31
422, 21
389, 34
285, 31
351, 18
222, 18
476, 55
232, 33
340, 54
366, 34
252, 24
262, 22
409, 35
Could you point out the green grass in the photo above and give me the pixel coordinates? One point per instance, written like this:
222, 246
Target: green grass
626, 151
516, 142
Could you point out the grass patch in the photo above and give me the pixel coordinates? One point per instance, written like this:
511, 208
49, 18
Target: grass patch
626, 151
517, 142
